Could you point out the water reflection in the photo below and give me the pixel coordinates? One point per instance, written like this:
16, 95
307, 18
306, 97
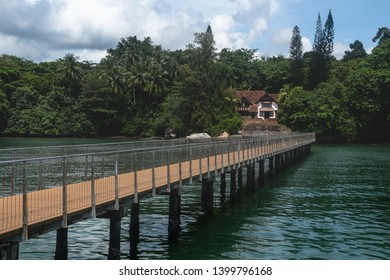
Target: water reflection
333, 205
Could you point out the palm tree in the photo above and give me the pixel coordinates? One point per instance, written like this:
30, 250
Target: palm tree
137, 78
71, 73
159, 79
131, 58
114, 75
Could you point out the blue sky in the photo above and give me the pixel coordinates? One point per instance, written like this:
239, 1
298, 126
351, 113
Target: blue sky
353, 19
45, 30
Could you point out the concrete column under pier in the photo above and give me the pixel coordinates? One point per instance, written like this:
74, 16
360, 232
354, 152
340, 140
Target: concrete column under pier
261, 172
134, 222
9, 251
277, 163
271, 166
223, 183
114, 250
233, 188
240, 177
174, 213
249, 176
115, 217
61, 244
207, 196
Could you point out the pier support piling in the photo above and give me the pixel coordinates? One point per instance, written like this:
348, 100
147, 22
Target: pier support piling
240, 177
261, 172
61, 244
207, 196
223, 183
249, 176
277, 163
9, 251
174, 213
253, 174
134, 222
233, 188
115, 236
271, 166
115, 232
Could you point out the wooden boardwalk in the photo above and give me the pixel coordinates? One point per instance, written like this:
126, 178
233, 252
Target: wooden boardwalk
32, 213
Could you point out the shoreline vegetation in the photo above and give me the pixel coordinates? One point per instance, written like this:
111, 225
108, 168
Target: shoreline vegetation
140, 90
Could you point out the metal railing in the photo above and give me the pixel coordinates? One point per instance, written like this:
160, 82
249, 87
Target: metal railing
63, 150
43, 188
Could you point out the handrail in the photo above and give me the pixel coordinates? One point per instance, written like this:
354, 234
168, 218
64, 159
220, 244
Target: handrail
40, 188
186, 143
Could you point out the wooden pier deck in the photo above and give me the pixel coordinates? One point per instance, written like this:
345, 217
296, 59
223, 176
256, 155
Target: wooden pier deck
32, 213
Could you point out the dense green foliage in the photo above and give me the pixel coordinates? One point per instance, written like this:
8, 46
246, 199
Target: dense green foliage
139, 89
351, 104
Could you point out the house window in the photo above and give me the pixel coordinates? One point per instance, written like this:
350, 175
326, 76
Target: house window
267, 114
266, 105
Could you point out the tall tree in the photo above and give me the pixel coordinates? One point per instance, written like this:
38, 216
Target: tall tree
328, 36
71, 73
357, 51
205, 53
382, 35
320, 58
158, 80
318, 36
296, 57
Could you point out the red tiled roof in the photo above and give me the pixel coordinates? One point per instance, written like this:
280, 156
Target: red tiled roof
254, 96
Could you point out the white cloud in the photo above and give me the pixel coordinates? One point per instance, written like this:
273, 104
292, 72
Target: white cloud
41, 29
339, 50
307, 45
282, 37
241, 28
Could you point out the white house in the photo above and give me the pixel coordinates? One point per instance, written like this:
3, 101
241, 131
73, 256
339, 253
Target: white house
258, 104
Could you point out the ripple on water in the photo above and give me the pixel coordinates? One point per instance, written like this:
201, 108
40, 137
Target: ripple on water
335, 204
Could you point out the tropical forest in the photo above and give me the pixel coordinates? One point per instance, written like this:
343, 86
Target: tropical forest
141, 90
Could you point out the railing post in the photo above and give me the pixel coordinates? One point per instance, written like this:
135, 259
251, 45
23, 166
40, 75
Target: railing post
191, 165
116, 207
200, 164
103, 166
215, 160
40, 175
248, 156
168, 172
86, 168
180, 173
64, 195
13, 176
222, 162
239, 152
153, 174
234, 156
93, 191
228, 146
208, 161
135, 178
25, 206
